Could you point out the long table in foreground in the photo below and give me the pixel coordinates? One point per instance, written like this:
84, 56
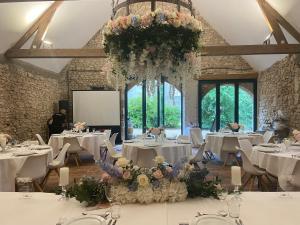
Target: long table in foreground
257, 208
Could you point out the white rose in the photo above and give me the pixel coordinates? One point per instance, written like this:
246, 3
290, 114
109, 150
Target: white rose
159, 159
122, 162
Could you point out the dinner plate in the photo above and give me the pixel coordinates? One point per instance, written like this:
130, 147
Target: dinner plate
24, 153
85, 220
184, 142
153, 145
128, 141
269, 145
213, 220
39, 147
295, 144
268, 150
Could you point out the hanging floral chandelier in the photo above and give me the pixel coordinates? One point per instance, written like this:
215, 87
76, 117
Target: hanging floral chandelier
158, 43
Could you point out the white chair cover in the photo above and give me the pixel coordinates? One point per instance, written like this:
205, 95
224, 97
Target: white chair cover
74, 144
267, 136
107, 133
196, 137
110, 149
40, 139
113, 139
60, 159
246, 145
34, 167
145, 157
248, 166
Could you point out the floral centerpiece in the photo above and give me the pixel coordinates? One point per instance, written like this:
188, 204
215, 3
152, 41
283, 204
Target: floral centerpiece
4, 138
296, 134
145, 47
79, 126
234, 127
164, 182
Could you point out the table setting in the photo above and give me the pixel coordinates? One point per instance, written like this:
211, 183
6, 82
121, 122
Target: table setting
88, 141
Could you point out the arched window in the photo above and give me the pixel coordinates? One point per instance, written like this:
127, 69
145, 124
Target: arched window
223, 102
161, 107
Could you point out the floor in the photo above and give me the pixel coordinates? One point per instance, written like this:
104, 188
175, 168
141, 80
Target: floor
89, 168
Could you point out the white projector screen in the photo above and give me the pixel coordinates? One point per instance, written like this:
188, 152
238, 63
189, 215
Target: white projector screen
97, 108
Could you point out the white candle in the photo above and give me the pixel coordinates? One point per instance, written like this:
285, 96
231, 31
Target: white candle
64, 176
236, 179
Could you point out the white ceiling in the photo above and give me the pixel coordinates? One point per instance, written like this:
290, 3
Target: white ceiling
75, 22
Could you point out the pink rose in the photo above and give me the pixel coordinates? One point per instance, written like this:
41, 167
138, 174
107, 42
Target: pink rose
169, 169
158, 174
105, 177
126, 175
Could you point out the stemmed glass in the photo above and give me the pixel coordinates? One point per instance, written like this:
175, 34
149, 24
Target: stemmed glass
223, 197
108, 194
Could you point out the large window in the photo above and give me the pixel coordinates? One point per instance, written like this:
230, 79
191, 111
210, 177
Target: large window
161, 107
223, 102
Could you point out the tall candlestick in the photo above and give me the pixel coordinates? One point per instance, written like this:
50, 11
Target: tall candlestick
64, 176
236, 179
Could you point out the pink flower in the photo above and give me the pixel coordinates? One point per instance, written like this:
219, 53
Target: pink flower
105, 177
158, 174
126, 175
169, 169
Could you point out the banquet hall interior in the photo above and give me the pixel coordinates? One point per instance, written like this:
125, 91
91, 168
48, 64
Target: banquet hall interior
166, 112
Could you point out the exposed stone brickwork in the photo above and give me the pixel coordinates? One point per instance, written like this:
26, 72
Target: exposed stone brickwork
28, 96
278, 89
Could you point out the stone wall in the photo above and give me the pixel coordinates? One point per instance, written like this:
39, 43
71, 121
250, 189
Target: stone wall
278, 89
28, 96
82, 74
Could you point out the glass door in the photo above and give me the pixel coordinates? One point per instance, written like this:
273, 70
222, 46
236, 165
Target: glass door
222, 102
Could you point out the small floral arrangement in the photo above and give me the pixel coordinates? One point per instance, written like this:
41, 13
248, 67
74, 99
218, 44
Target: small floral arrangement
296, 134
234, 127
89, 190
159, 42
156, 131
4, 138
79, 126
164, 182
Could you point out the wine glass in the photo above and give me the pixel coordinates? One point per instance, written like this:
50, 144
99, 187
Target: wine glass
222, 195
116, 210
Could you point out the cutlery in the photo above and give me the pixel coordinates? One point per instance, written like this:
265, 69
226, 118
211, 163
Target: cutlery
95, 214
237, 222
109, 223
114, 222
213, 214
241, 222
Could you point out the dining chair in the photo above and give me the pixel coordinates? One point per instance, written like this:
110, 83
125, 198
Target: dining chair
35, 167
253, 171
246, 145
228, 147
107, 133
57, 163
199, 157
74, 149
145, 157
268, 136
113, 154
40, 139
290, 182
113, 138
196, 137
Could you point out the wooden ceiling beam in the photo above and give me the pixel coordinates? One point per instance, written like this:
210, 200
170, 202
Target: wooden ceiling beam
40, 23
206, 51
229, 76
282, 21
272, 23
12, 1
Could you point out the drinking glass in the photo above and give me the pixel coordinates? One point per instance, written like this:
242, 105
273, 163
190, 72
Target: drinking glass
234, 206
115, 210
223, 211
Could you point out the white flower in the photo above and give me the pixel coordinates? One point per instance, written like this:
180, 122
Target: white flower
122, 162
143, 180
159, 159
144, 195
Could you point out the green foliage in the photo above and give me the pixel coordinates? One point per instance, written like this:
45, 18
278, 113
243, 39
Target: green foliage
227, 107
164, 38
198, 186
172, 113
89, 190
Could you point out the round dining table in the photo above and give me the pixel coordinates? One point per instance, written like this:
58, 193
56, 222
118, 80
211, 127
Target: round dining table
170, 150
214, 141
279, 161
90, 142
13, 159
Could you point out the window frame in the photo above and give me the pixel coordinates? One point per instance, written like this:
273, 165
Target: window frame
236, 83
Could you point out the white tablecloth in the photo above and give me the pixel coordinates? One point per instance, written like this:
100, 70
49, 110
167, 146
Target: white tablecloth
214, 142
257, 208
90, 142
10, 165
171, 151
281, 164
